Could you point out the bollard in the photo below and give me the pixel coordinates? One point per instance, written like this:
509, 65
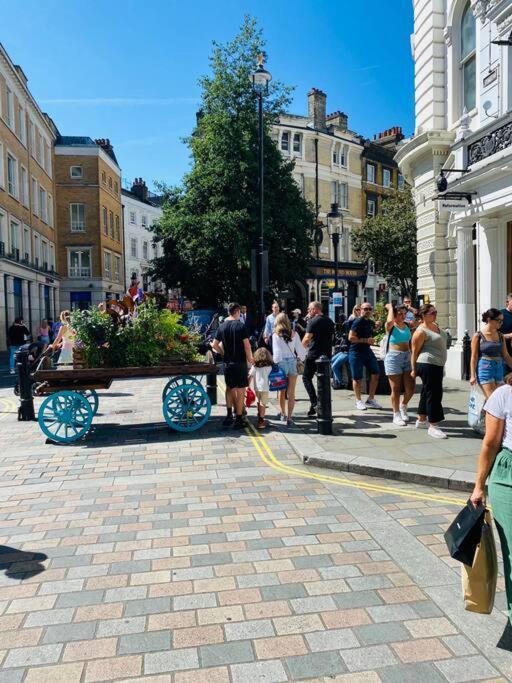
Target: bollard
323, 384
211, 387
26, 409
466, 356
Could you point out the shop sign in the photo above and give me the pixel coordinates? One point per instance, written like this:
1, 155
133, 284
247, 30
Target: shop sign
457, 204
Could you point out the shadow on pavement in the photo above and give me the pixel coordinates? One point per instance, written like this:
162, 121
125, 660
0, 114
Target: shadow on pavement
20, 564
505, 642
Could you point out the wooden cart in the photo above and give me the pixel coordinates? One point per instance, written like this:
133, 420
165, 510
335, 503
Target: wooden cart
71, 402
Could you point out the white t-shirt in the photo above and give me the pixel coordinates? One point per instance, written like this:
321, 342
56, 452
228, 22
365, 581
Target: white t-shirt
500, 405
282, 350
260, 377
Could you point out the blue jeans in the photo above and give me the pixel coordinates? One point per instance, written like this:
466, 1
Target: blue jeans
337, 363
12, 351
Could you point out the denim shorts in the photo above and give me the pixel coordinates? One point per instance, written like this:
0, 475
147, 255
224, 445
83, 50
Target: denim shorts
488, 371
289, 366
397, 362
359, 360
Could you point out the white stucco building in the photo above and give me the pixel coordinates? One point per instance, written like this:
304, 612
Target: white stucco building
141, 209
463, 85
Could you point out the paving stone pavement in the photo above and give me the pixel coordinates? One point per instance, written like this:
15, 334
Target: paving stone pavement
140, 554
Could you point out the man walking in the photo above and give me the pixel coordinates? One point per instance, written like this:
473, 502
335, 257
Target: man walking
16, 335
361, 356
410, 316
232, 341
318, 341
269, 324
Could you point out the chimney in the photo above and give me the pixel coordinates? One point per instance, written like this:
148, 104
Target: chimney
392, 136
338, 119
140, 189
105, 144
317, 101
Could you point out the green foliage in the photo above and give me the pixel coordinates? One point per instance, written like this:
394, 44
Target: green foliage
210, 224
380, 314
389, 240
150, 337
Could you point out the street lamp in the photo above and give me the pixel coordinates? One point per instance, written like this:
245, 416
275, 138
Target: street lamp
260, 80
335, 232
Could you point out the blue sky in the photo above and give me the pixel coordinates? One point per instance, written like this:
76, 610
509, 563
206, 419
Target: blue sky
128, 70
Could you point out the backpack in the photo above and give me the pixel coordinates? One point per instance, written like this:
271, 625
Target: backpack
277, 380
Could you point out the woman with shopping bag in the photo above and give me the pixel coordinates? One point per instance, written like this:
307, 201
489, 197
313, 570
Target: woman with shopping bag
495, 462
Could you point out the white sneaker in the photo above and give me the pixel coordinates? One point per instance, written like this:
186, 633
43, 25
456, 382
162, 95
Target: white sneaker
12, 372
436, 433
361, 405
373, 403
404, 414
422, 425
397, 420
282, 417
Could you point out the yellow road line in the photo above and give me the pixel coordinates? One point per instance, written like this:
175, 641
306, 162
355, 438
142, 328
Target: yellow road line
8, 406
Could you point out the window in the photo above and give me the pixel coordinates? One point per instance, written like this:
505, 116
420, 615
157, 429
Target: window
144, 221
468, 58
12, 176
40, 150
50, 210
36, 249
48, 158
76, 172
26, 244
117, 234
35, 198
2, 170
105, 223
15, 239
107, 264
79, 263
44, 254
285, 142
52, 257
334, 192
3, 236
103, 177
77, 217
343, 195
32, 138
370, 173
344, 155
297, 143
24, 186
111, 223
371, 207
117, 268
43, 206
10, 109
401, 181
386, 177
133, 247
21, 125
335, 155
110, 182
145, 250
132, 217
116, 187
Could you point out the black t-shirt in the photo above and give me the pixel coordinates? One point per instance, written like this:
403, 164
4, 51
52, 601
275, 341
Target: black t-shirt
506, 328
17, 334
322, 329
363, 328
232, 334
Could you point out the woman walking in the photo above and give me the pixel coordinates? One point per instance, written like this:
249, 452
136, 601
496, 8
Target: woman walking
286, 349
496, 459
43, 334
428, 360
489, 353
65, 340
397, 362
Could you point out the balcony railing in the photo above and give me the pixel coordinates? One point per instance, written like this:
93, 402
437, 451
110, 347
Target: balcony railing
15, 256
495, 141
79, 272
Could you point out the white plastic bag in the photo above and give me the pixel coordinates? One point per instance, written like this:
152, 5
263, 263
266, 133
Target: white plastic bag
476, 414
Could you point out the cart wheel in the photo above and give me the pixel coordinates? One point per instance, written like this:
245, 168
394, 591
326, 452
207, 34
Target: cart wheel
187, 407
65, 416
92, 398
179, 381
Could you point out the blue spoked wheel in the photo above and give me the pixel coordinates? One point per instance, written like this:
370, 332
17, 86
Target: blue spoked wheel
179, 381
65, 416
92, 398
187, 407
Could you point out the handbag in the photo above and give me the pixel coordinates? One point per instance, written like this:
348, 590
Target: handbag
250, 397
299, 361
464, 533
476, 414
479, 580
277, 380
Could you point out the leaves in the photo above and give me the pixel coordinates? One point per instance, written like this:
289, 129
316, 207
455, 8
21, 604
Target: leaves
390, 240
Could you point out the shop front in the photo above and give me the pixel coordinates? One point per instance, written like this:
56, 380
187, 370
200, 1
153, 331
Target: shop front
351, 282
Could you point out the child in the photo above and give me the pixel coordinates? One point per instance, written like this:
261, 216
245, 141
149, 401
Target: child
258, 376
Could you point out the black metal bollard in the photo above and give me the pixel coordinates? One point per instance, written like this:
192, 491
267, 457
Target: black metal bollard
323, 384
211, 387
26, 409
466, 355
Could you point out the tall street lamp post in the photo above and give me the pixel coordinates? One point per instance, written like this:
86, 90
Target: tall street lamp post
260, 80
335, 232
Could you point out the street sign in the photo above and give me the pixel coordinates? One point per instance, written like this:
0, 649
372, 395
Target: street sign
337, 298
452, 204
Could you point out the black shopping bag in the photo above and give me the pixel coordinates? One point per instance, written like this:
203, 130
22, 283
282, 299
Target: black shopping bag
463, 534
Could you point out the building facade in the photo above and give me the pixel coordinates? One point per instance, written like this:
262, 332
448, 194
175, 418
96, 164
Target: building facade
331, 163
141, 210
462, 148
29, 283
89, 221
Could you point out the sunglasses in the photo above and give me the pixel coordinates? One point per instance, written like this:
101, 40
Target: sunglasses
498, 320
368, 308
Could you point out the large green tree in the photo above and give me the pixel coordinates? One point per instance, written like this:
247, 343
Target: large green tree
389, 240
210, 223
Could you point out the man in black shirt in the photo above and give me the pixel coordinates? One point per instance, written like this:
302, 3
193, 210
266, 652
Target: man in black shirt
232, 341
16, 335
318, 340
361, 356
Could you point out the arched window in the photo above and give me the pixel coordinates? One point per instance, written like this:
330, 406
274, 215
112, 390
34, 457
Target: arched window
468, 58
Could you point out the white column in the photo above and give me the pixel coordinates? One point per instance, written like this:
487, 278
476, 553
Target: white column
492, 262
465, 281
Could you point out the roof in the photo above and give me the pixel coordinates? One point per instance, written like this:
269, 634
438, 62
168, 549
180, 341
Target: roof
152, 200
75, 140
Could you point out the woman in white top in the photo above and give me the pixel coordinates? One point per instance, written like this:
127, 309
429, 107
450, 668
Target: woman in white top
286, 349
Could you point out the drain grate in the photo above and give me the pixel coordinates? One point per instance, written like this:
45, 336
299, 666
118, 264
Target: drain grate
123, 412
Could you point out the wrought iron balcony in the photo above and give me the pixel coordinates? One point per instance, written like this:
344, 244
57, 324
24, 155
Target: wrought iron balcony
495, 141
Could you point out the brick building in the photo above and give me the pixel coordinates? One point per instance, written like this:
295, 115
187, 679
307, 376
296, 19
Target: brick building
89, 220
29, 285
